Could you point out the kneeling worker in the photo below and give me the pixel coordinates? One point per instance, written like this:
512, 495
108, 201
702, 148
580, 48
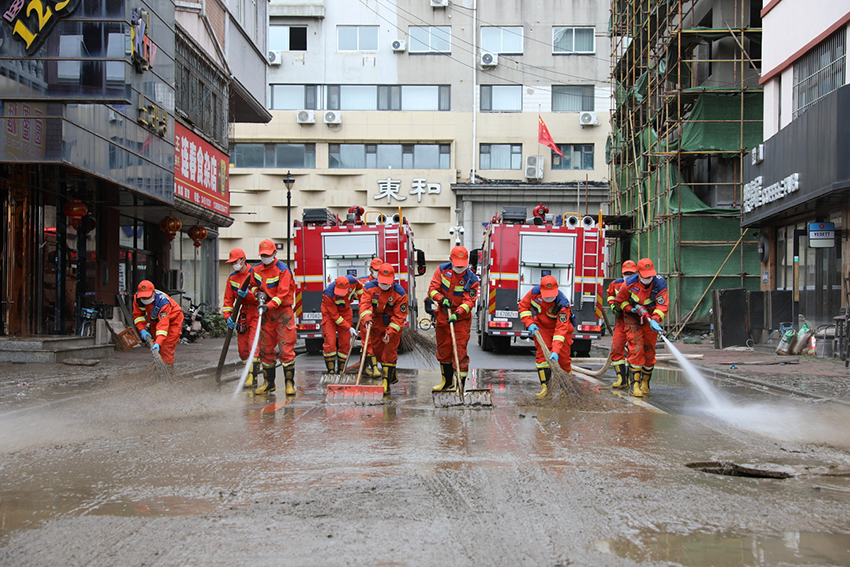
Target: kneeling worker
163, 314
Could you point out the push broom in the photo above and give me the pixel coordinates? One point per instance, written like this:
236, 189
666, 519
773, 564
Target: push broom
356, 393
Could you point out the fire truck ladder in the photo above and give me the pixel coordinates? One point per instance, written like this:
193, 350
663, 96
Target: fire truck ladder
590, 255
392, 254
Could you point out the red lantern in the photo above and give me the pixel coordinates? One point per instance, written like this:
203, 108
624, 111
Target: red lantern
197, 233
170, 225
75, 211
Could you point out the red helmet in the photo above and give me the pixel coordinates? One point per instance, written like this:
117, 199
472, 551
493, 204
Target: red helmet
459, 257
375, 264
646, 268
548, 286
386, 274
629, 267
145, 289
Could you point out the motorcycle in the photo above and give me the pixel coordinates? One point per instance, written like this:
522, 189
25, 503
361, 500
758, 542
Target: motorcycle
192, 329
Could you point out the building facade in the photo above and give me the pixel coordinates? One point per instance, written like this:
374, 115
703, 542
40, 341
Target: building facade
426, 105
798, 181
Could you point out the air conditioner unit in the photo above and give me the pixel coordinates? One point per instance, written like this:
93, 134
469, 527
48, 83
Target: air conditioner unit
306, 117
534, 167
399, 45
172, 280
333, 117
439, 3
757, 154
275, 57
588, 119
489, 59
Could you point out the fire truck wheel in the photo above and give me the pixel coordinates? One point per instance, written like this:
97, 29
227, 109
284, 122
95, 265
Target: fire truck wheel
484, 342
314, 346
502, 344
581, 348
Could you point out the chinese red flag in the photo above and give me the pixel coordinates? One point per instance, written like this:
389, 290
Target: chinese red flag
545, 138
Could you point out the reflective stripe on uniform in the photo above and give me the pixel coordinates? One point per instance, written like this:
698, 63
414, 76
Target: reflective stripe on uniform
395, 327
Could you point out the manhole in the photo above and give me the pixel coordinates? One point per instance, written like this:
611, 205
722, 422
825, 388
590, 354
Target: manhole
729, 468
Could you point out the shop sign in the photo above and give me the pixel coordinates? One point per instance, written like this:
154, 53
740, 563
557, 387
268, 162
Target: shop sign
33, 20
821, 235
144, 50
391, 189
200, 171
755, 195
22, 132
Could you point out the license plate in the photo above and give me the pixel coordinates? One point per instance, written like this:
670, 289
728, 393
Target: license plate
313, 316
509, 314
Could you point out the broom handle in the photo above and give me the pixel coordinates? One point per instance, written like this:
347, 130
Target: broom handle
540, 340
457, 360
363, 354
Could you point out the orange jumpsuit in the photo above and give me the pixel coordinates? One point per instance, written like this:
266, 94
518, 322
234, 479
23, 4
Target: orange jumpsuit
276, 281
618, 342
555, 321
337, 319
165, 318
462, 289
387, 311
248, 317
641, 338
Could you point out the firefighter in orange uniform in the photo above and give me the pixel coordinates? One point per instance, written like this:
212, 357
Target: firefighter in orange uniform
245, 324
337, 318
163, 314
275, 292
373, 271
547, 310
618, 343
384, 306
644, 301
454, 288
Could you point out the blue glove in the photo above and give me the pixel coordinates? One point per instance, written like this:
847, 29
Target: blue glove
554, 356
635, 310
653, 324
146, 336
243, 293
453, 318
532, 328
231, 324
155, 347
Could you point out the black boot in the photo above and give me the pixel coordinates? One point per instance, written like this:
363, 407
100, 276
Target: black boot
622, 377
330, 363
268, 386
390, 377
448, 383
289, 378
341, 360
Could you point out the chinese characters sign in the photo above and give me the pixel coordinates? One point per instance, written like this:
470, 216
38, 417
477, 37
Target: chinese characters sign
391, 189
33, 20
22, 137
200, 172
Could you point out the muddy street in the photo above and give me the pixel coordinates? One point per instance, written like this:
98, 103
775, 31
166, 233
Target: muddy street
128, 470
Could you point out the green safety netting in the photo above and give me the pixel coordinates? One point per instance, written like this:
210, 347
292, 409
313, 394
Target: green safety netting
691, 37
715, 123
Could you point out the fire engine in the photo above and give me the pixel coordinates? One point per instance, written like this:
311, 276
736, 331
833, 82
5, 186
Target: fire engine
518, 251
325, 248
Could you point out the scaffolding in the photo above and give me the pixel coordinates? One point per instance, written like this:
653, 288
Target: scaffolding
687, 112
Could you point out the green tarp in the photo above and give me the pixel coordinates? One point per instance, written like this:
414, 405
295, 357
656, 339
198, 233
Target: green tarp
715, 123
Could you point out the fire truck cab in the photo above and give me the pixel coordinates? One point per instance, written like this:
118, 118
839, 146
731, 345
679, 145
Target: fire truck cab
518, 251
324, 248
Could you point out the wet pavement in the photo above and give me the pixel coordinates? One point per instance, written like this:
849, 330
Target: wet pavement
108, 465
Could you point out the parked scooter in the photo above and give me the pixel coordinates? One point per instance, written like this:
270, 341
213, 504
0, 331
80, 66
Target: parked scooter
192, 329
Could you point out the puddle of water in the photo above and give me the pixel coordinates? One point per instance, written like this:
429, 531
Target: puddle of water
707, 550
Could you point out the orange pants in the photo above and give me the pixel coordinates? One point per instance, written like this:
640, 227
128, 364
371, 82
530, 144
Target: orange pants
337, 338
641, 341
564, 359
445, 354
278, 333
167, 347
384, 352
248, 318
619, 339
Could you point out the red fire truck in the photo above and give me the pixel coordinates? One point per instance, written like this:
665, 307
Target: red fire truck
517, 251
324, 248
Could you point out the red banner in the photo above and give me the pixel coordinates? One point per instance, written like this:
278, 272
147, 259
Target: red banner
201, 173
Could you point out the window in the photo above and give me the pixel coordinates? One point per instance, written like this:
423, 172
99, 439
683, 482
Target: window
293, 97
287, 38
501, 98
576, 156
388, 97
432, 39
573, 40
502, 40
384, 156
820, 71
500, 156
572, 98
289, 156
357, 38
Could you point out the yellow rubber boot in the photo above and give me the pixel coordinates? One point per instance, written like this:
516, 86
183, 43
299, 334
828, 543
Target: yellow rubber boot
634, 378
448, 383
645, 377
544, 374
268, 386
289, 378
622, 379
254, 374
341, 361
372, 371
390, 377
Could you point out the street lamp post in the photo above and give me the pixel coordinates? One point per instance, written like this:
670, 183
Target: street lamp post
289, 182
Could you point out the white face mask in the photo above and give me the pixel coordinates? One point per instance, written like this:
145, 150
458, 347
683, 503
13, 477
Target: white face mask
459, 269
267, 259
373, 273
237, 266
645, 281
148, 301
385, 286
549, 299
